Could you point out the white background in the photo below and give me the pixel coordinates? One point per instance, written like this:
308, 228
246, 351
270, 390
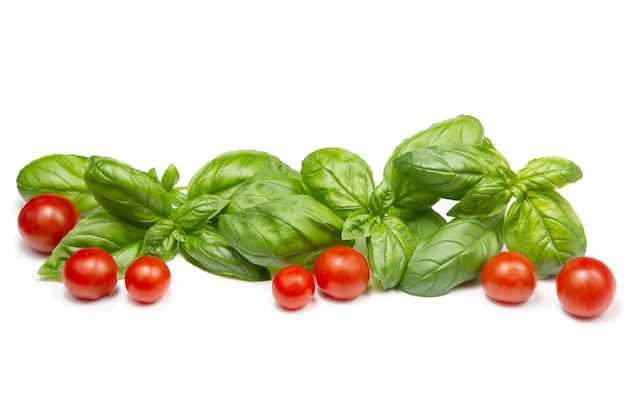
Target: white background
154, 83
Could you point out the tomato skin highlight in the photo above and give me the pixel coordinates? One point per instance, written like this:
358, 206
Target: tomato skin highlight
293, 287
45, 220
509, 277
147, 279
90, 273
585, 287
341, 272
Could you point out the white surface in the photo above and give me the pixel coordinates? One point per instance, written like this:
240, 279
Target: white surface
154, 83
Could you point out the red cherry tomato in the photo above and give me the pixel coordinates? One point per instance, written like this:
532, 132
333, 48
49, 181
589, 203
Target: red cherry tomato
147, 279
45, 220
341, 272
293, 287
585, 287
90, 273
509, 277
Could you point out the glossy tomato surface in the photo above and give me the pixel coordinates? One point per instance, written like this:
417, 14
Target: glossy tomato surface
45, 220
90, 273
147, 279
341, 272
293, 287
509, 277
585, 287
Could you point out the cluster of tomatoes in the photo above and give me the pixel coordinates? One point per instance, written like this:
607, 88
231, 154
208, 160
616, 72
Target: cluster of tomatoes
89, 273
585, 286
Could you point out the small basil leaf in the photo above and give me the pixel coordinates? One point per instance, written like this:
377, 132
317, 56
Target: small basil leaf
421, 223
57, 174
211, 252
288, 230
339, 179
262, 187
547, 174
170, 177
453, 255
389, 248
129, 194
544, 227
198, 211
358, 226
160, 240
222, 175
382, 199
123, 241
488, 198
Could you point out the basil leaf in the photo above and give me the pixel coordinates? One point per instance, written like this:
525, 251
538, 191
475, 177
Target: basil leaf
57, 174
452, 256
130, 195
288, 230
389, 248
451, 171
545, 228
211, 252
262, 187
222, 175
160, 240
488, 198
170, 177
358, 226
547, 174
198, 211
421, 223
382, 199
339, 179
123, 241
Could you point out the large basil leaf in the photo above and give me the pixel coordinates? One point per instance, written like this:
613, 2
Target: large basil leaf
211, 252
129, 194
123, 241
547, 174
451, 171
288, 230
544, 227
223, 174
262, 187
339, 179
61, 174
389, 248
452, 256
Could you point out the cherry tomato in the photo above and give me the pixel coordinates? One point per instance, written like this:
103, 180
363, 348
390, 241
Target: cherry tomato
147, 279
509, 277
341, 272
90, 273
293, 287
45, 220
585, 287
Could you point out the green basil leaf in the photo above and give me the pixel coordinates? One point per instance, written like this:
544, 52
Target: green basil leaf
123, 241
211, 252
129, 194
198, 211
488, 198
288, 230
57, 174
547, 174
262, 187
160, 240
453, 255
389, 248
222, 175
170, 177
358, 226
339, 179
382, 199
544, 227
451, 171
421, 223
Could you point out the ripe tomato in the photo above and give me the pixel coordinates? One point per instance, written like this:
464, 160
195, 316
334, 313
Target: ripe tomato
90, 273
341, 272
45, 220
509, 277
293, 287
147, 279
585, 287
